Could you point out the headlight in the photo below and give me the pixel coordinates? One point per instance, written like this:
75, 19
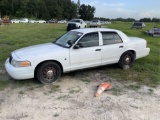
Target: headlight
20, 63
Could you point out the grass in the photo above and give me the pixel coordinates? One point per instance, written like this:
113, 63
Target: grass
74, 90
134, 87
116, 91
145, 70
56, 115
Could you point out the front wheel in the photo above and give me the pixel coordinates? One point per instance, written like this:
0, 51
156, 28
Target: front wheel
48, 72
126, 60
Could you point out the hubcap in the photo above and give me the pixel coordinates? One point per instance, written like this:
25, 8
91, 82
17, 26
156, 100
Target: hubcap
50, 73
127, 60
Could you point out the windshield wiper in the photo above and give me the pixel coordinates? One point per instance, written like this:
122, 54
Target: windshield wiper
60, 45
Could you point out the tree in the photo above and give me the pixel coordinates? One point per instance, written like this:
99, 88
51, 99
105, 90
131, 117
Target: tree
40, 9
145, 20
86, 12
155, 20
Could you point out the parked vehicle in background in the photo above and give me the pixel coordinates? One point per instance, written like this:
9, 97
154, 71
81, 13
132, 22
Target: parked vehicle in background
138, 25
40, 21
155, 32
95, 23
76, 24
14, 21
76, 49
5, 22
62, 21
23, 20
52, 21
107, 22
31, 21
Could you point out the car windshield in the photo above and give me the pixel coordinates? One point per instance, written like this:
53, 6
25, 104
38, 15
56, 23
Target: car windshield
137, 24
74, 20
71, 36
94, 20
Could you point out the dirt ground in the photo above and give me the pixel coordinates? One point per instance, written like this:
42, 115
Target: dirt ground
72, 98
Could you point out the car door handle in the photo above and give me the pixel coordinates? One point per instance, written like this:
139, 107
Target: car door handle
98, 50
121, 46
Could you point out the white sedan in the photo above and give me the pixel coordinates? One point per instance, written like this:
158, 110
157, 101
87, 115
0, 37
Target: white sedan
14, 21
31, 21
40, 21
77, 49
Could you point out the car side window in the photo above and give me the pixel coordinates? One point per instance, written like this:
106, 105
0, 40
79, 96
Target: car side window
110, 38
90, 40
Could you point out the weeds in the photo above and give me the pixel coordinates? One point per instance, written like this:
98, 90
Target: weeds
74, 90
56, 115
134, 86
63, 97
116, 91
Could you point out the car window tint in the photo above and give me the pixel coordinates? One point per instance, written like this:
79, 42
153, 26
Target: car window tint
90, 40
117, 38
110, 38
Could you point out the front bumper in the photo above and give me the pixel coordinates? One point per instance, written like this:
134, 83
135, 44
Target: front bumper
71, 26
19, 72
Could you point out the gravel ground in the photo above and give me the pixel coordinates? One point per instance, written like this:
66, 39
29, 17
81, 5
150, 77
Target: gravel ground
72, 98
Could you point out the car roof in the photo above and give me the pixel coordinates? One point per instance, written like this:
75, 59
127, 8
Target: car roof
88, 30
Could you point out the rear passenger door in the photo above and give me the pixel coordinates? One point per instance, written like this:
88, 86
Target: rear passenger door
112, 47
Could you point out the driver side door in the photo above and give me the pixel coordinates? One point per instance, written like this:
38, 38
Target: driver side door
88, 54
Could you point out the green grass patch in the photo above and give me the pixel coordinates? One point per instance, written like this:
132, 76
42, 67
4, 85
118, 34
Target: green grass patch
3, 84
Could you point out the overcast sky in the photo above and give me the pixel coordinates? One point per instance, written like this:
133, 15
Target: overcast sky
124, 8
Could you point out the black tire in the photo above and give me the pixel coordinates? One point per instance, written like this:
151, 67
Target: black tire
126, 60
48, 72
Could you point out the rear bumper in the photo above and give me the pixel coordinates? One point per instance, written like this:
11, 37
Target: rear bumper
142, 53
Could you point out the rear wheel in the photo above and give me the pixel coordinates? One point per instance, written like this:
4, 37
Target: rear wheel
48, 72
126, 60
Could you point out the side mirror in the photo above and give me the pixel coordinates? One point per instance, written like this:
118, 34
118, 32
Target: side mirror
70, 42
79, 45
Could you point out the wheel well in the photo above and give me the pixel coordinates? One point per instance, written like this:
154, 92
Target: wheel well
48, 61
134, 53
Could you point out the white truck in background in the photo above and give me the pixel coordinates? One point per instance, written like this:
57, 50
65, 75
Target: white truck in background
76, 24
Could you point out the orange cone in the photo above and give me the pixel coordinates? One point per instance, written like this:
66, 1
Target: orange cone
102, 87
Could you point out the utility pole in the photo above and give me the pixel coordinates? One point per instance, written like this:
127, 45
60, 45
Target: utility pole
78, 7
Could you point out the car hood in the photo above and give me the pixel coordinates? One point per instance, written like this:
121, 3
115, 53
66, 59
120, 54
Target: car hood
73, 23
38, 50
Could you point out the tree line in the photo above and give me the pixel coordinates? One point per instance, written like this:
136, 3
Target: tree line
39, 9
45, 9
57, 9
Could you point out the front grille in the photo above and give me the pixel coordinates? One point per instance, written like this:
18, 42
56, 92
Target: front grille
72, 25
10, 59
